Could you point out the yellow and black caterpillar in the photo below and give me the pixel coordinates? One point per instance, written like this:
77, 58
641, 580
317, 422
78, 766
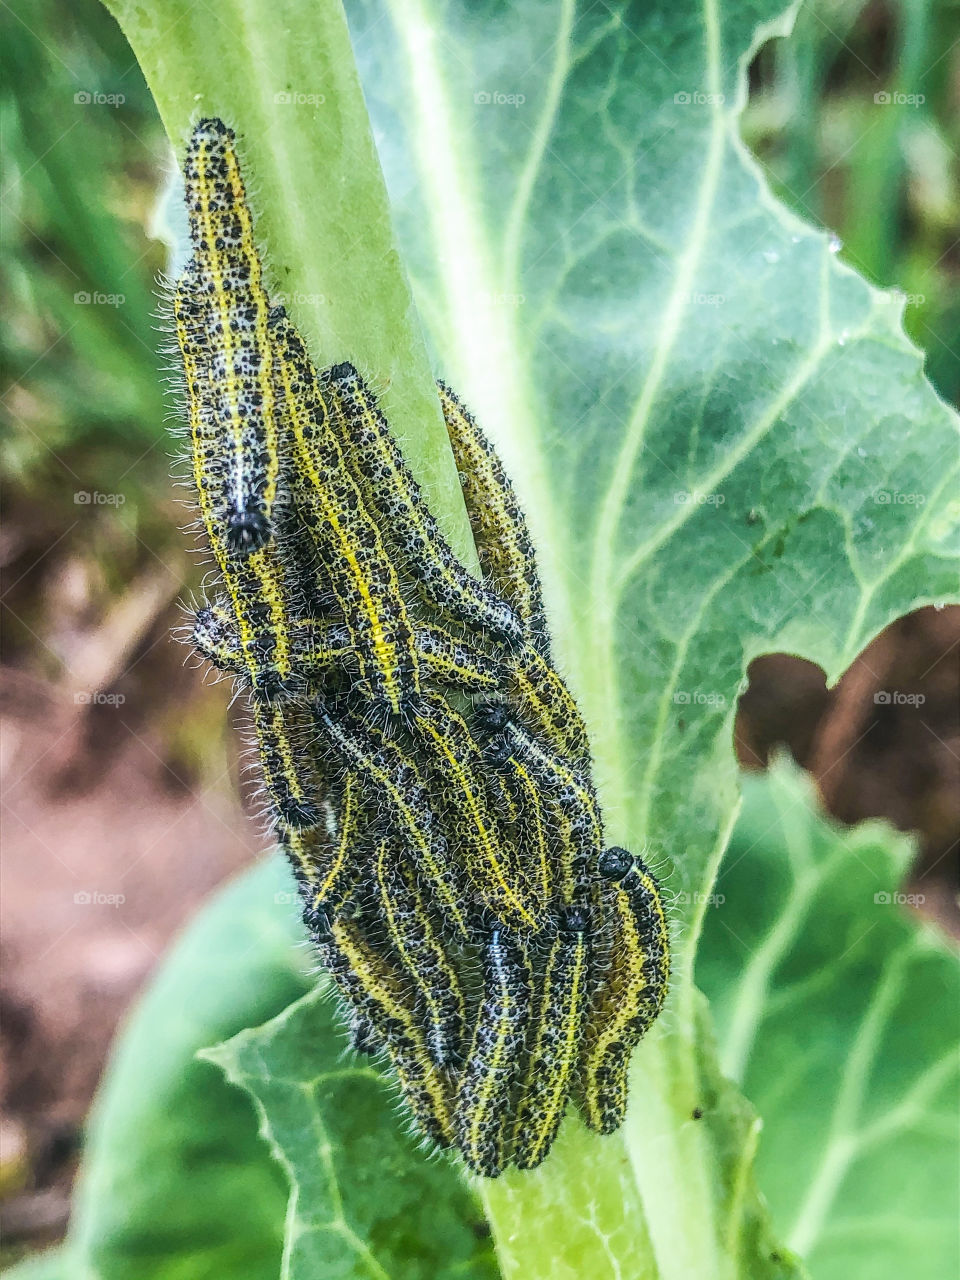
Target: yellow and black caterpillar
449, 851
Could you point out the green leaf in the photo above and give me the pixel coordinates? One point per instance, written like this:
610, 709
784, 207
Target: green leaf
366, 1202
723, 439
840, 1016
175, 1182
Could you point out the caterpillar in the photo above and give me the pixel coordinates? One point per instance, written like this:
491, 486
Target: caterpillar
345, 538
410, 928
456, 767
260, 594
568, 794
497, 520
327, 863
289, 770
228, 309
393, 493
495, 1059
396, 780
531, 825
629, 993
375, 991
543, 701
555, 1041
321, 648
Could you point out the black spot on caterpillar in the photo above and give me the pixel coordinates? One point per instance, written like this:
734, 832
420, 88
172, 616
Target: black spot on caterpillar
628, 992
458, 777
346, 540
375, 991
223, 302
497, 520
408, 921
555, 1041
391, 491
495, 1060
396, 780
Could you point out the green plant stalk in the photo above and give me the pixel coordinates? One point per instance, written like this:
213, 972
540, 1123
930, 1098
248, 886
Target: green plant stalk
283, 75
649, 1200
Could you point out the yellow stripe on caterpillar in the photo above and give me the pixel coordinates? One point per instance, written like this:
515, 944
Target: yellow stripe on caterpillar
376, 990
396, 780
458, 775
484, 1110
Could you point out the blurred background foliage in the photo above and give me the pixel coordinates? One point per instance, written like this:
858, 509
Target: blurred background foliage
855, 120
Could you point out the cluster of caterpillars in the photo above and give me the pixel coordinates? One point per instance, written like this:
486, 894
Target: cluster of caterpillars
427, 771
